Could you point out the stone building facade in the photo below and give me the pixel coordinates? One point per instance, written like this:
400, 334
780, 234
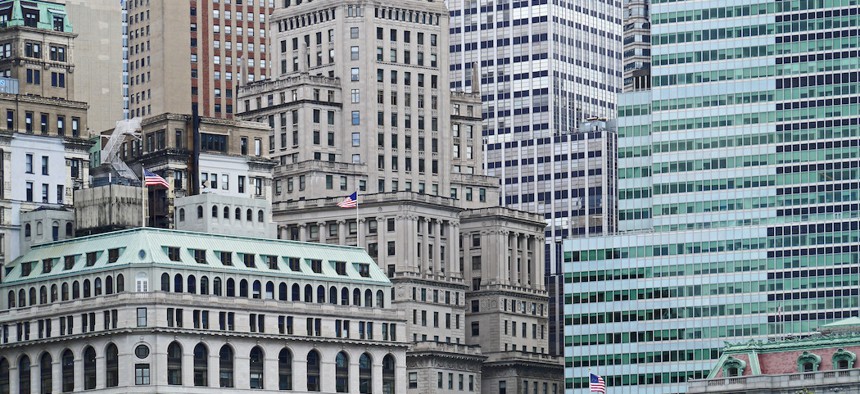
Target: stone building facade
149, 310
43, 142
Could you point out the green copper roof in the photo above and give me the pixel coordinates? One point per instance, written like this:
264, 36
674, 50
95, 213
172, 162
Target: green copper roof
149, 246
853, 321
15, 12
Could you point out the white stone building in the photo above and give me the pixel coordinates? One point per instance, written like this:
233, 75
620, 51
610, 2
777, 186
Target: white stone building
150, 310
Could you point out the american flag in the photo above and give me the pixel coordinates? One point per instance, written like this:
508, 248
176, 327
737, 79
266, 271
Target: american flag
350, 201
151, 179
596, 384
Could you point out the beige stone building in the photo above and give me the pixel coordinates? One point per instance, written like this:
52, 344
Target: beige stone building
185, 54
359, 101
43, 142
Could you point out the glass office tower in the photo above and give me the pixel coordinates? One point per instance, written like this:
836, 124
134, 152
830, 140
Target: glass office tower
738, 192
549, 73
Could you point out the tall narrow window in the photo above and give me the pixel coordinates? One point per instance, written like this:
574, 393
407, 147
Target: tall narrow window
388, 379
174, 364
313, 370
201, 365
46, 378
225, 366
89, 368
24, 375
365, 374
341, 373
111, 366
4, 375
255, 366
285, 369
68, 373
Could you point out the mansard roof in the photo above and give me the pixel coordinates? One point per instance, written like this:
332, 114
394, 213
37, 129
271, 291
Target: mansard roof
159, 247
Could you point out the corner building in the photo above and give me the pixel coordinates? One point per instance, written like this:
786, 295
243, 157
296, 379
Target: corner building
361, 102
738, 173
149, 310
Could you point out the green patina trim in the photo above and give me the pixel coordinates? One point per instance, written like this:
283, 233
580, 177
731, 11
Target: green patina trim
844, 355
755, 366
731, 363
720, 361
807, 358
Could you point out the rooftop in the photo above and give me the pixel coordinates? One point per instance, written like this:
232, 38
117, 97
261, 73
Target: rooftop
39, 14
151, 246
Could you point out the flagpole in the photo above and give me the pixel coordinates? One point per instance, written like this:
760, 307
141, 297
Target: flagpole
142, 196
357, 224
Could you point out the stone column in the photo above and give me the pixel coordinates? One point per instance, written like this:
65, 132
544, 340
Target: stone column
524, 274
323, 232
454, 251
303, 232
13, 376
341, 232
437, 248
524, 251
327, 374
187, 365
382, 257
57, 372
213, 373
424, 260
361, 233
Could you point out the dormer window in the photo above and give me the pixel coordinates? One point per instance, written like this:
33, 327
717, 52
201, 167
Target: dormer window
47, 265
808, 362
294, 264
272, 261
59, 22
843, 359
248, 259
226, 258
316, 266
26, 268
364, 270
340, 267
31, 17
91, 258
69, 262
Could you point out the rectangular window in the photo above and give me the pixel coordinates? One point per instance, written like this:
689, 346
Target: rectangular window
141, 317
141, 374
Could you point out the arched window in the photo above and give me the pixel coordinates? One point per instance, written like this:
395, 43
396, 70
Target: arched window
368, 298
97, 287
165, 282
255, 367
388, 380
733, 367
260, 216
243, 288
296, 296
344, 296
249, 215
225, 366
89, 368
111, 366
270, 291
87, 290
199, 212
808, 362
341, 373
332, 295
55, 231
11, 299
365, 374
67, 361
356, 297
177, 283
4, 375
238, 214
76, 290
120, 283
256, 290
43, 295
201, 365
309, 293
24, 374
313, 371
843, 359
109, 285
27, 230
231, 287
226, 213
192, 284
174, 364
54, 293
181, 214
22, 298
46, 378
33, 295
69, 229
320, 294
204, 285
285, 369
283, 295
64, 292
216, 286
380, 299
215, 211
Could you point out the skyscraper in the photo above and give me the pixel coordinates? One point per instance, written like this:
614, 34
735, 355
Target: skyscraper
191, 53
545, 72
739, 172
637, 45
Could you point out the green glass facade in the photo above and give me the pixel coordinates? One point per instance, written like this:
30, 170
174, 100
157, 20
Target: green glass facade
738, 195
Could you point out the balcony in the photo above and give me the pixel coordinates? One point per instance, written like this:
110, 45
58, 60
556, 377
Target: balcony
846, 379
